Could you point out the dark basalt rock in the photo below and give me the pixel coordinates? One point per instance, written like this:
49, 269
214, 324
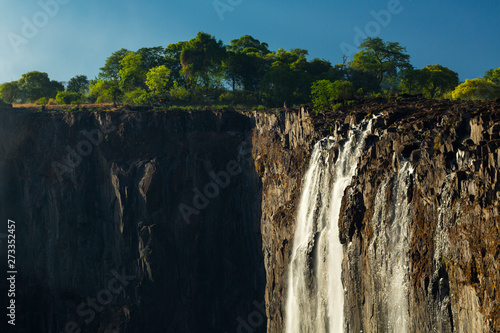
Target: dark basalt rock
116, 211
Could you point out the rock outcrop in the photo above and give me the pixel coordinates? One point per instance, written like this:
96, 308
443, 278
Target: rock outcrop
454, 235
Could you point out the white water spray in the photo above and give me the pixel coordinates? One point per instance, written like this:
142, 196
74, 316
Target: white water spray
389, 252
315, 300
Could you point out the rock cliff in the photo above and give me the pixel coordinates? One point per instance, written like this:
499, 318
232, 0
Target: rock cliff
184, 221
133, 221
453, 237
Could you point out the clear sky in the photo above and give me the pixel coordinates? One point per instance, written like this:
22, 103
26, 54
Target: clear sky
71, 37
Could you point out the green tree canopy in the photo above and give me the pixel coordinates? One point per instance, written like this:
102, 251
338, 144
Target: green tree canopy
68, 97
493, 75
35, 85
383, 59
246, 63
318, 68
325, 93
157, 80
78, 84
201, 59
476, 89
152, 57
173, 62
132, 73
248, 44
101, 91
285, 83
9, 92
431, 81
109, 71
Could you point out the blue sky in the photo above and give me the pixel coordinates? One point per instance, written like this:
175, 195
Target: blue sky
77, 37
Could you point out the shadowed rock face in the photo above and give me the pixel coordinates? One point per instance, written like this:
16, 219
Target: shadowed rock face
186, 219
116, 211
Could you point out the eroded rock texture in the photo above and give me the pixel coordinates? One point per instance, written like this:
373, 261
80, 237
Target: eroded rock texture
148, 198
453, 235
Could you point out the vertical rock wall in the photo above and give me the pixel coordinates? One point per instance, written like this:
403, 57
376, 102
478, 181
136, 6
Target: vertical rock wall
114, 214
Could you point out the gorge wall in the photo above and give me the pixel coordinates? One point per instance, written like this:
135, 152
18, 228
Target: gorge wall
187, 218
133, 221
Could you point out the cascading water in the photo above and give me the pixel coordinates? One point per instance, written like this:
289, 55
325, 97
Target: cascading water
389, 252
315, 299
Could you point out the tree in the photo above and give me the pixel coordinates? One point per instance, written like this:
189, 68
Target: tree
132, 73
324, 93
9, 92
476, 89
104, 91
66, 97
245, 63
248, 44
321, 94
78, 84
157, 80
173, 62
493, 75
431, 81
287, 79
318, 68
35, 85
110, 70
152, 57
201, 59
284, 83
383, 59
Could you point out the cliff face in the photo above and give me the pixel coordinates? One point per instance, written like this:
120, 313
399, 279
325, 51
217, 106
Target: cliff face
142, 222
450, 198
281, 148
419, 222
184, 221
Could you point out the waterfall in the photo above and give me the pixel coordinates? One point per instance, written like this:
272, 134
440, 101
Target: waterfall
315, 299
388, 252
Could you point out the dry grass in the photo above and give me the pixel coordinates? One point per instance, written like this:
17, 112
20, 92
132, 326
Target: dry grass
59, 107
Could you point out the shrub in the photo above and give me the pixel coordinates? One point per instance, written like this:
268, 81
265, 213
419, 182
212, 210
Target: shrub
64, 97
337, 106
324, 93
143, 99
342, 90
476, 89
321, 94
42, 101
179, 94
131, 96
